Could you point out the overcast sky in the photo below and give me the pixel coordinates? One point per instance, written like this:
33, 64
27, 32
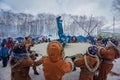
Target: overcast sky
76, 7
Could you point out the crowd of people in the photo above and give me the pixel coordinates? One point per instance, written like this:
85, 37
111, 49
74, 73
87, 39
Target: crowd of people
98, 59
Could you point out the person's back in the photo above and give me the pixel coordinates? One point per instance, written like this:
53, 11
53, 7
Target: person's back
21, 62
20, 71
3, 43
88, 64
28, 42
5, 55
56, 70
5, 51
107, 55
91, 61
54, 66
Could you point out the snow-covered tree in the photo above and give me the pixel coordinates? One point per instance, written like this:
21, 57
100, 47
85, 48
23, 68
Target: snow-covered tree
21, 24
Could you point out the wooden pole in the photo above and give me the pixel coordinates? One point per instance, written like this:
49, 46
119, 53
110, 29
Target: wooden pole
113, 25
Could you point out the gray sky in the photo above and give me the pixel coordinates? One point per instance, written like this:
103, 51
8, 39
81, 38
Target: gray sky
75, 7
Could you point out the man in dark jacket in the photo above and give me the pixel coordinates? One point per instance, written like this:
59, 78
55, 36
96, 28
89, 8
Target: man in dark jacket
5, 55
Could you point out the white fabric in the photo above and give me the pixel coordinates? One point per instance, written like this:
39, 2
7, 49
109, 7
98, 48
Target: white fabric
70, 61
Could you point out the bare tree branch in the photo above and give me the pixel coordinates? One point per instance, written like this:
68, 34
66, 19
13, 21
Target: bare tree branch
79, 24
90, 24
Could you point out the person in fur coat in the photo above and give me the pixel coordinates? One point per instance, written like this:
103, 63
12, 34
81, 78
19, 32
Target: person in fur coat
28, 42
88, 63
108, 55
20, 63
54, 66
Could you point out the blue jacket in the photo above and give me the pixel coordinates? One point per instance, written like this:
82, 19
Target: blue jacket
59, 25
5, 51
0, 52
60, 31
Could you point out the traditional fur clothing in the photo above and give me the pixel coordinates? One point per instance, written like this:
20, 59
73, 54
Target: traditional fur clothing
20, 63
107, 55
20, 68
54, 66
88, 64
32, 56
28, 42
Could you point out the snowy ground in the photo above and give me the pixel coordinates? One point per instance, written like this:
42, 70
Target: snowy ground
5, 73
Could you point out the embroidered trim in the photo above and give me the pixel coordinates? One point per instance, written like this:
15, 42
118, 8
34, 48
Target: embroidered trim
96, 66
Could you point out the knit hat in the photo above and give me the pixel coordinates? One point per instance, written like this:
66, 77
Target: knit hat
114, 42
55, 51
19, 48
92, 51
